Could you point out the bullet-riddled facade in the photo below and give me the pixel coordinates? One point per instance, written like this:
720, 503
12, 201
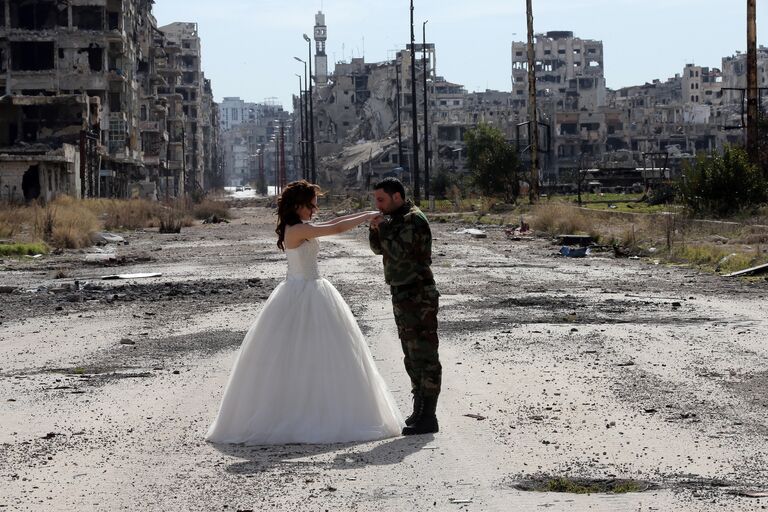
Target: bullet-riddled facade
90, 92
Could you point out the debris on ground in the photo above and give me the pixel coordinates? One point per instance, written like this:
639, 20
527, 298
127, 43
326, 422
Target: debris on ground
579, 240
105, 238
749, 271
131, 276
215, 219
475, 233
574, 252
475, 416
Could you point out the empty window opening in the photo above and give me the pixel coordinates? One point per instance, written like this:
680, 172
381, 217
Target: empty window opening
115, 102
95, 57
114, 10
87, 17
33, 14
113, 20
32, 55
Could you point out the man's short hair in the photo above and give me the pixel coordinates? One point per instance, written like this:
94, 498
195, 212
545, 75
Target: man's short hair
390, 186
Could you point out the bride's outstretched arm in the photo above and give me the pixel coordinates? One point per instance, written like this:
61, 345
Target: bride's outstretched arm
299, 232
343, 218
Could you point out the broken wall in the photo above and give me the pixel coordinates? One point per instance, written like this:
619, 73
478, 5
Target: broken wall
26, 178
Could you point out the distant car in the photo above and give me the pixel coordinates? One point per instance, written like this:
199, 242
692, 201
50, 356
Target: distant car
246, 187
239, 189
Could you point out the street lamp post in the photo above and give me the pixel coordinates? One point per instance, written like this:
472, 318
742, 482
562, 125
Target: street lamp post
416, 184
301, 129
311, 112
305, 133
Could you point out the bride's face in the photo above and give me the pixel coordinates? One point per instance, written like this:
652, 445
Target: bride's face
306, 212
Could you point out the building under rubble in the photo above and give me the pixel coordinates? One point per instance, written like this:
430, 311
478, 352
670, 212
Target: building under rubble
97, 101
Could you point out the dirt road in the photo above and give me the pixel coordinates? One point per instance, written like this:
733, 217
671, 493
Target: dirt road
592, 368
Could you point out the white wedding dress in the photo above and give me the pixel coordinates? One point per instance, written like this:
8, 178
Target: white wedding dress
304, 373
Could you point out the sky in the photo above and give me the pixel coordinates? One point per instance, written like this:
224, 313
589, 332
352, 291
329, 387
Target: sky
249, 45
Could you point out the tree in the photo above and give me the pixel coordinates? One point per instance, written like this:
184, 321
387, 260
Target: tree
493, 162
723, 184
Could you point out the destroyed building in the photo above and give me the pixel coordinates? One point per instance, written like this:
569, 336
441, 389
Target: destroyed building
93, 92
582, 122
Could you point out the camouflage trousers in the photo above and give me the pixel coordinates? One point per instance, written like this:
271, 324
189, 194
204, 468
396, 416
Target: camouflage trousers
416, 318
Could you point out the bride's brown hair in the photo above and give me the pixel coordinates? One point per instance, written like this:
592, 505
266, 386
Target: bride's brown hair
296, 194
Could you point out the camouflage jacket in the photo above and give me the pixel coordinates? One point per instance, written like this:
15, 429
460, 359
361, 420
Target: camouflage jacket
405, 242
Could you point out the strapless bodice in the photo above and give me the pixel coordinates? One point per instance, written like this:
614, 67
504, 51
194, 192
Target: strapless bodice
302, 261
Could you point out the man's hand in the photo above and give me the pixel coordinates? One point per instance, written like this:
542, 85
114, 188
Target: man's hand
376, 221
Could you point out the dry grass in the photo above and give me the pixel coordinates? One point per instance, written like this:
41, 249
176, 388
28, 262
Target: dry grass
121, 214
208, 208
65, 223
13, 219
557, 218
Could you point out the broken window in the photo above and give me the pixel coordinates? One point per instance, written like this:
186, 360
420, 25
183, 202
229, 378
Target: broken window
32, 55
113, 21
569, 129
95, 57
115, 103
33, 14
88, 17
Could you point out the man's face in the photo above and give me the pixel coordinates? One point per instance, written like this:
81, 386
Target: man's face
386, 203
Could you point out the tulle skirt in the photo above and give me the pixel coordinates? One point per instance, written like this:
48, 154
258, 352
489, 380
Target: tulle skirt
304, 374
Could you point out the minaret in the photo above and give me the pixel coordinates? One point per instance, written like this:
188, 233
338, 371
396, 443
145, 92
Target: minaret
321, 59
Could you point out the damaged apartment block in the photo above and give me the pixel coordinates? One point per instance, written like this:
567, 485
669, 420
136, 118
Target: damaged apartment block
88, 103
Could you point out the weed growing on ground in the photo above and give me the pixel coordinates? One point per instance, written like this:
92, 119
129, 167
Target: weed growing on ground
23, 249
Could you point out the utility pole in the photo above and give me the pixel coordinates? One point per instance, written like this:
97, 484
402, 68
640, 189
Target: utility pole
533, 118
399, 127
283, 178
426, 118
416, 184
752, 92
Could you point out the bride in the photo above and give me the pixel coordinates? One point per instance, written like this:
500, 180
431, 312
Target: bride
304, 373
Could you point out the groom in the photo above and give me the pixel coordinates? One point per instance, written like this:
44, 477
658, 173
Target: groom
404, 240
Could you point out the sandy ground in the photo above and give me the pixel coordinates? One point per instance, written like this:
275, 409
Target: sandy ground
592, 368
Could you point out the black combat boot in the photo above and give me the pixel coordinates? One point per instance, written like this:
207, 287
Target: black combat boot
426, 421
417, 404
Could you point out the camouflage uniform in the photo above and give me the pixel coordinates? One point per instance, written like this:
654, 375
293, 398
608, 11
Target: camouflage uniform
405, 242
